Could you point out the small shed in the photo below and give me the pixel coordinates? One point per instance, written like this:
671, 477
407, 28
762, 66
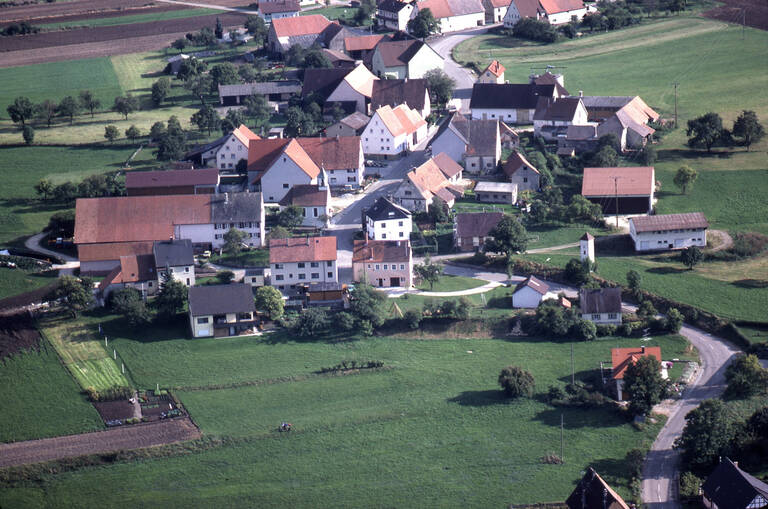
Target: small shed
496, 192
531, 292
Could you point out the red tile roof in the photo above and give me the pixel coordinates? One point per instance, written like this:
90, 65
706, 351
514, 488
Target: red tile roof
400, 120
534, 284
363, 42
381, 251
245, 135
515, 162
476, 224
302, 249
632, 181
171, 178
300, 25
621, 358
446, 165
112, 250
666, 222
137, 268
336, 153
495, 67
261, 153
555, 6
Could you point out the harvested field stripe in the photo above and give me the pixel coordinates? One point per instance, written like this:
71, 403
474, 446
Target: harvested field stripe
128, 20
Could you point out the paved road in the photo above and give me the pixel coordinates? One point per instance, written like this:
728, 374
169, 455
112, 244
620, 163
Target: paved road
70, 263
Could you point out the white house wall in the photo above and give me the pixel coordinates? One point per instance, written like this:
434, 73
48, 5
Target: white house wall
286, 274
456, 23
678, 239
230, 153
450, 143
561, 18
281, 177
389, 229
344, 92
424, 60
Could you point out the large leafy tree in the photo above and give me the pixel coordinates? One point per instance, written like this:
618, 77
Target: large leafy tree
423, 24
160, 90
89, 102
516, 382
746, 376
705, 130
269, 300
257, 28
172, 298
46, 110
428, 271
223, 74
21, 110
257, 107
707, 435
685, 178
125, 105
440, 85
748, 128
233, 240
68, 108
644, 385
311, 322
206, 119
128, 302
76, 293
691, 256
290, 217
368, 308
509, 236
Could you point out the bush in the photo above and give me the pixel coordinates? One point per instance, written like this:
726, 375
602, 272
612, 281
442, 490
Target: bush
748, 244
585, 330
516, 382
674, 320
534, 30
555, 393
689, 485
745, 376
607, 330
114, 393
346, 321
412, 319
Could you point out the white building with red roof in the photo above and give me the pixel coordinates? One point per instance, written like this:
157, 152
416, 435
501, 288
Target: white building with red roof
275, 9
393, 131
313, 201
437, 177
668, 231
494, 73
620, 190
302, 260
235, 148
302, 30
622, 358
531, 292
454, 15
555, 12
495, 11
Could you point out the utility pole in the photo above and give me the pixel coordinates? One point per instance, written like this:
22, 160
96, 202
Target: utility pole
743, 21
562, 441
675, 84
616, 192
573, 371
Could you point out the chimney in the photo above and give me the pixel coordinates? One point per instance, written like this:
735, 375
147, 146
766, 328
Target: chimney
406, 80
307, 240
642, 349
581, 93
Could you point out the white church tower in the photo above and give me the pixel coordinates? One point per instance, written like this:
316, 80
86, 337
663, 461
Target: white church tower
587, 248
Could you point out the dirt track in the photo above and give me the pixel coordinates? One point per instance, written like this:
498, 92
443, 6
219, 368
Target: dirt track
126, 437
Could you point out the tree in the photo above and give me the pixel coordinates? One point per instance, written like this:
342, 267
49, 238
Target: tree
257, 107
225, 276
428, 271
535, 30
233, 240
269, 300
585, 330
291, 216
577, 271
646, 310
157, 131
633, 281
179, 44
551, 318
172, 297
171, 146
219, 30
20, 110
69, 107
65, 192
606, 157
311, 322
129, 303
647, 156
690, 256
745, 376
89, 102
44, 188
190, 68
160, 90
125, 105
412, 319
509, 236
223, 74
76, 293
233, 120
132, 133
423, 24
707, 435
206, 118
111, 133
316, 59
278, 232
28, 133
368, 307
685, 178
705, 130
299, 123
674, 320
644, 385
516, 382
440, 86
46, 110
748, 128
257, 28
439, 211
62, 224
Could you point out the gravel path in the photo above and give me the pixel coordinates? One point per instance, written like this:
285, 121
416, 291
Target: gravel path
137, 436
725, 237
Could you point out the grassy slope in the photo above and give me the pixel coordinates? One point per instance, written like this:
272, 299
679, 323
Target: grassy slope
15, 281
39, 399
430, 431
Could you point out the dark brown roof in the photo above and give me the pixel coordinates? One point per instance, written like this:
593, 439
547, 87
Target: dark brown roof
477, 224
587, 236
508, 95
305, 196
666, 222
391, 5
171, 178
412, 92
337, 153
273, 6
728, 486
381, 251
534, 284
221, 299
397, 53
448, 166
602, 300
302, 249
322, 81
562, 110
515, 162
593, 492
527, 8
550, 79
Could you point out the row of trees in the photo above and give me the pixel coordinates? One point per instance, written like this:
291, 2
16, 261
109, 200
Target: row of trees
93, 186
367, 311
707, 131
22, 109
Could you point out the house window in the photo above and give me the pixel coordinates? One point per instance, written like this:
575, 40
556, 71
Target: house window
217, 236
330, 264
525, 179
202, 320
595, 316
330, 274
279, 266
351, 179
611, 316
383, 235
314, 265
377, 267
279, 277
407, 193
302, 276
402, 234
402, 266
241, 225
186, 269
315, 211
399, 223
385, 266
301, 265
187, 281
285, 186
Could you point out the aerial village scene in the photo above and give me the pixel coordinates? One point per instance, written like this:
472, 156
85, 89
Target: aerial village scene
384, 253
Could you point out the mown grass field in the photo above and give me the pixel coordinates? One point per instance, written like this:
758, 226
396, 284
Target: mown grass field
429, 430
82, 351
127, 20
40, 399
448, 283
15, 281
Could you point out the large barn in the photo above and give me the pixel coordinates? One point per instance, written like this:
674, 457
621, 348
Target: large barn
620, 190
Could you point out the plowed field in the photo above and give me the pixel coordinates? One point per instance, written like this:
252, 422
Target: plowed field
753, 13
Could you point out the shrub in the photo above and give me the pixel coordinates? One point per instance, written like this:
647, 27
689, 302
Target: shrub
555, 393
745, 376
674, 320
748, 244
606, 330
114, 393
516, 382
689, 485
346, 321
412, 319
534, 30
585, 330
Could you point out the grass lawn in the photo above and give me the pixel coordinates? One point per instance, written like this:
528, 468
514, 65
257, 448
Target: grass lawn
83, 353
495, 303
448, 283
125, 20
431, 430
249, 258
39, 399
16, 281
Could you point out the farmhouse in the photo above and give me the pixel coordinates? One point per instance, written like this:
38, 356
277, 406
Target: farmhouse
387, 221
394, 14
164, 182
411, 92
202, 155
393, 131
511, 103
340, 157
108, 228
471, 230
494, 73
235, 148
383, 263
359, 47
593, 492
354, 92
255, 277
626, 118
409, 58
519, 171
729, 487
300, 260
531, 292
601, 306
454, 15
555, 12
221, 310
174, 259
553, 116
668, 231
496, 192
273, 91
433, 178
620, 190
548, 78
313, 201
301, 30
274, 9
621, 358
132, 271
475, 143
351, 125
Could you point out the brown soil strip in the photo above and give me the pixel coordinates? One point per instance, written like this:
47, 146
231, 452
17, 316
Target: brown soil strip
754, 13
136, 436
45, 12
17, 332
